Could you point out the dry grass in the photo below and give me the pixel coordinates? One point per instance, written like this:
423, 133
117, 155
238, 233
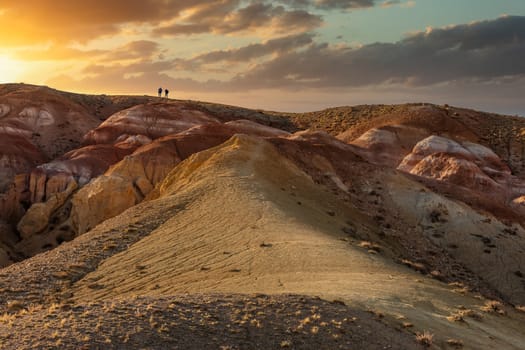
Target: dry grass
370, 246
494, 306
455, 343
416, 266
461, 315
286, 344
426, 338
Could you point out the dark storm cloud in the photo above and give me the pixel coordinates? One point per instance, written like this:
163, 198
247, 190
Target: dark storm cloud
482, 50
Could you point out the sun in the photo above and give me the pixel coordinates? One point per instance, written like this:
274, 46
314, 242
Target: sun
10, 70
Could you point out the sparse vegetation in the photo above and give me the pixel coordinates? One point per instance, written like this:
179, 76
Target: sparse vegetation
286, 344
494, 306
414, 265
370, 246
461, 315
426, 338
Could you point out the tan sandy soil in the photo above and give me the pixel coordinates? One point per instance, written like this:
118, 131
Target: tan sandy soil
263, 240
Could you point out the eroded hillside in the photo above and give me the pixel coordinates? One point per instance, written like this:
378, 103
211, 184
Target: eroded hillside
413, 213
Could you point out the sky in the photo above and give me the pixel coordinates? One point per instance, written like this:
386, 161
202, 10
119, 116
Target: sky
284, 55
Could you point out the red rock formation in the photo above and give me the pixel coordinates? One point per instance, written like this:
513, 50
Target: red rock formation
326, 159
388, 145
53, 122
136, 175
36, 124
152, 120
468, 165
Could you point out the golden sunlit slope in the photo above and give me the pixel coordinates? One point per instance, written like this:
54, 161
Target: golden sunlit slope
256, 243
253, 222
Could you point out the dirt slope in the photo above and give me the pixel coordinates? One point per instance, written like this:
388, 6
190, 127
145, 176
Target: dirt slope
410, 221
263, 241
276, 232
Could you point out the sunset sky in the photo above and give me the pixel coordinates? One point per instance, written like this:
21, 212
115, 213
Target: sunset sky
287, 55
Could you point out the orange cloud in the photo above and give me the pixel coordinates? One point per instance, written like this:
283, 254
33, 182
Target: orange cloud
30, 22
40, 21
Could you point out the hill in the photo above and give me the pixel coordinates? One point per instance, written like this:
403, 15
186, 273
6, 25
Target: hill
181, 223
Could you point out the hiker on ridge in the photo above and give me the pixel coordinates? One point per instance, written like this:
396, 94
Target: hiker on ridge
160, 92
166, 92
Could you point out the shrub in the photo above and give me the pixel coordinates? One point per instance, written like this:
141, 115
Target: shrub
425, 338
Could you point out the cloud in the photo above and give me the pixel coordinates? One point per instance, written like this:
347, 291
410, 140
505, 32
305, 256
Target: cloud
248, 53
343, 4
390, 3
330, 4
481, 51
64, 21
56, 53
224, 18
487, 51
33, 22
37, 21
140, 49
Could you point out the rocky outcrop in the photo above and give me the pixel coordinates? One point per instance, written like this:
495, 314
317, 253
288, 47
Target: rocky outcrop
388, 145
326, 159
133, 165
36, 124
136, 175
152, 120
78, 166
39, 215
467, 164
103, 199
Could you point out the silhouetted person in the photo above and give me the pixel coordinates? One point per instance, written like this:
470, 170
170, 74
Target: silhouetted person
160, 92
166, 92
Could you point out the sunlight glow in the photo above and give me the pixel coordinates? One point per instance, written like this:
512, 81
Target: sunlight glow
10, 70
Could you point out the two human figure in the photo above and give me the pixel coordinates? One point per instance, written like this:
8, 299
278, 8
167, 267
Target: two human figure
166, 92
